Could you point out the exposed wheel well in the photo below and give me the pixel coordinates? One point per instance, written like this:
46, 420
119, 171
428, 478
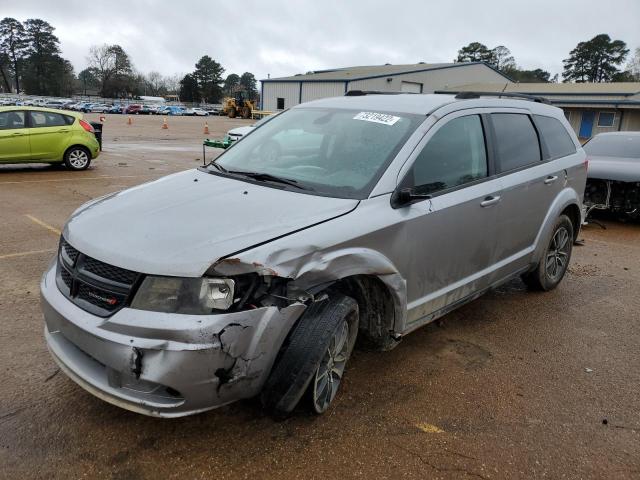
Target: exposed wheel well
573, 212
375, 306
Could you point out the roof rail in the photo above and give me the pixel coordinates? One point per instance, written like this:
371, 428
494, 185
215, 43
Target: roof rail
360, 93
523, 96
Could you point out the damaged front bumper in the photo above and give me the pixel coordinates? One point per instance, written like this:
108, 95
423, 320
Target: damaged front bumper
160, 364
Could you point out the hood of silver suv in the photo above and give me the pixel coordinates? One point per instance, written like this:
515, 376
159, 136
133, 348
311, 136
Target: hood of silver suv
181, 224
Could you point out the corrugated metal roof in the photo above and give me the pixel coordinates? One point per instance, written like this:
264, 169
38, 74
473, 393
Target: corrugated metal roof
362, 72
569, 90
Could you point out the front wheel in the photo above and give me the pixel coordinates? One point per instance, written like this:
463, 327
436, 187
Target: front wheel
312, 361
555, 260
77, 158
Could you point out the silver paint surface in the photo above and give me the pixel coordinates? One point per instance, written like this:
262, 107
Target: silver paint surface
431, 256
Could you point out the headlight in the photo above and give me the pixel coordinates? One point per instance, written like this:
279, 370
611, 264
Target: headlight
194, 296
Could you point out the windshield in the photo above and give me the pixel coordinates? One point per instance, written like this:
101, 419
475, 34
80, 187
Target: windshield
627, 146
333, 152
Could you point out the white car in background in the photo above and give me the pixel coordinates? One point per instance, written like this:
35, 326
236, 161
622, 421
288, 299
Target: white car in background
238, 132
196, 112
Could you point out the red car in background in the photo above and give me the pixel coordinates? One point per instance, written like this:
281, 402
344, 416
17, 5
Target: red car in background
132, 109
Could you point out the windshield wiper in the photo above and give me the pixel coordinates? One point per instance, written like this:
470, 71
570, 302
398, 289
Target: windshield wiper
270, 178
218, 167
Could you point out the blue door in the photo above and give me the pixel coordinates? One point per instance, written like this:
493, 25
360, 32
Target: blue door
586, 126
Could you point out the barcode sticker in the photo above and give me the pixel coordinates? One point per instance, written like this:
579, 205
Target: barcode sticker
383, 118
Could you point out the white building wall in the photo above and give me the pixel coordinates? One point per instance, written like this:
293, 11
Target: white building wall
432, 79
271, 91
316, 90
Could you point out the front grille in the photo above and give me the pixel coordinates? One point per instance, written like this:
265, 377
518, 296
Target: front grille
95, 286
110, 272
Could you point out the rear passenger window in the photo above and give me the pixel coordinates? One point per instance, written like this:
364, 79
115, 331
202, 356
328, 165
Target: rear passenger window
516, 141
46, 119
555, 137
455, 155
11, 120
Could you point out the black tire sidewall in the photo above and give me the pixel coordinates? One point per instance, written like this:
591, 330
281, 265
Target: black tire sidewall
302, 352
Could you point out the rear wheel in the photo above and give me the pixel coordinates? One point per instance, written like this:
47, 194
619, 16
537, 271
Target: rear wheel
314, 357
77, 158
555, 260
232, 112
246, 112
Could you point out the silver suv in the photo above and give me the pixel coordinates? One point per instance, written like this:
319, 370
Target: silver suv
362, 217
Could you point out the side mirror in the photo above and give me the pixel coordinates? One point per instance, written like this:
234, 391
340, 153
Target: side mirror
406, 196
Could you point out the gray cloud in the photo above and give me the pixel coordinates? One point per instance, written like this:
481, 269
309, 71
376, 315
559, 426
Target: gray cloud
280, 37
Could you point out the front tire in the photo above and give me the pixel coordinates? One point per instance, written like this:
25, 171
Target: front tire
313, 358
555, 260
77, 158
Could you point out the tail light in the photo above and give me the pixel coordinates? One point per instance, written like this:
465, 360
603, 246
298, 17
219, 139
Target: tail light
87, 126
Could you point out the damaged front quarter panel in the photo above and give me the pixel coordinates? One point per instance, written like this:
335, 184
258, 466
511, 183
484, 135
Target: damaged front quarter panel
250, 346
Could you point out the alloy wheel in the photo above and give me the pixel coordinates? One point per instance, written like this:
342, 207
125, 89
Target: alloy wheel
558, 254
328, 376
78, 158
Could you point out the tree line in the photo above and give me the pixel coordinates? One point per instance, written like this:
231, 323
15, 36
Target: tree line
30, 62
597, 60
206, 83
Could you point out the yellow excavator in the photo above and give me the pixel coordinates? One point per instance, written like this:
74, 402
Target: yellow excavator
238, 105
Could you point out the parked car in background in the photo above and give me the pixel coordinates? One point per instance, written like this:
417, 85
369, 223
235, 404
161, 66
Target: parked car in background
146, 110
392, 210
196, 112
173, 110
239, 132
42, 135
96, 108
55, 104
115, 109
133, 109
613, 181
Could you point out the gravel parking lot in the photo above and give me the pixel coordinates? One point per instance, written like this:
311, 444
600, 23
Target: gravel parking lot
515, 384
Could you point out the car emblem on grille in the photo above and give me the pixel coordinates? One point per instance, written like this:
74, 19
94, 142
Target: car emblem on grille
110, 301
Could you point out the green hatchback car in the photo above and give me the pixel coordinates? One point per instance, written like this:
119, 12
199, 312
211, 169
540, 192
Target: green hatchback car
45, 135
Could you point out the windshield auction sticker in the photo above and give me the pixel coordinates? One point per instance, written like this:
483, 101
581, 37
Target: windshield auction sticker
377, 118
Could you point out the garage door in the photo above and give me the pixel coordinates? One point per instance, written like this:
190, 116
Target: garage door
411, 87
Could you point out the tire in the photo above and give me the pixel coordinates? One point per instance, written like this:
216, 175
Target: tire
307, 355
232, 112
77, 158
246, 112
555, 259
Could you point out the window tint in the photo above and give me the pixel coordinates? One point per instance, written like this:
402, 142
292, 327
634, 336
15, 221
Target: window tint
47, 119
555, 136
455, 155
11, 120
516, 140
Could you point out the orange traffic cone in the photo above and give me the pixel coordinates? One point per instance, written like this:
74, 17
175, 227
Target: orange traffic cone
206, 128
129, 121
164, 124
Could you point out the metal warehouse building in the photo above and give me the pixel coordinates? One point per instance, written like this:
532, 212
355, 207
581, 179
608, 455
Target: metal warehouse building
591, 108
285, 92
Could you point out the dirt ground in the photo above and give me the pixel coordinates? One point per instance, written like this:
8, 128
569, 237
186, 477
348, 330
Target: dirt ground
513, 385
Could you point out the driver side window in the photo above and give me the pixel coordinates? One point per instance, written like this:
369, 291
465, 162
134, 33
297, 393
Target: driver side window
455, 155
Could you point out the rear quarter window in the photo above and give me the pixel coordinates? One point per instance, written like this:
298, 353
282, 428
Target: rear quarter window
516, 141
555, 136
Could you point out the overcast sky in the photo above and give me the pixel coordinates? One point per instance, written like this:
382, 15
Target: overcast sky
281, 38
